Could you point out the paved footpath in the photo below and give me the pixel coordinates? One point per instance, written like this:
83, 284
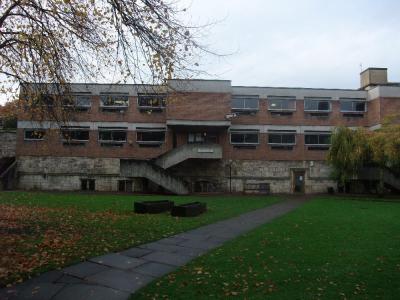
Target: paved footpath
117, 275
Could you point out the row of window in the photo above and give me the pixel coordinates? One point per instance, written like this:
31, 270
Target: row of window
118, 101
113, 136
251, 103
279, 139
156, 136
115, 101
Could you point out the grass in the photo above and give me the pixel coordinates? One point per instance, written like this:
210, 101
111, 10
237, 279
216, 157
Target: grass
327, 249
44, 231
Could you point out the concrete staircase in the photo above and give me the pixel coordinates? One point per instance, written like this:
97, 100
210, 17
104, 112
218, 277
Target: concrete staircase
145, 169
373, 173
188, 151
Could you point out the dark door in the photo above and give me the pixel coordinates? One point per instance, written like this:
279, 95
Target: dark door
298, 181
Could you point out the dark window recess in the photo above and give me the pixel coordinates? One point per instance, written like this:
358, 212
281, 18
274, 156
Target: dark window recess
244, 138
74, 136
244, 103
125, 186
152, 102
317, 105
279, 105
77, 102
282, 138
112, 137
114, 102
88, 184
351, 106
150, 138
34, 134
317, 141
202, 138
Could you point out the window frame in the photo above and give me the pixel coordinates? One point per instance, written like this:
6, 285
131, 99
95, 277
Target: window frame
353, 101
161, 96
75, 97
317, 133
143, 129
281, 133
244, 98
113, 129
329, 100
74, 128
271, 98
114, 107
35, 129
238, 131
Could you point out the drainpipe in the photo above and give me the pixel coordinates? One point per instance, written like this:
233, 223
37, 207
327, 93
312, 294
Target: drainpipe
230, 176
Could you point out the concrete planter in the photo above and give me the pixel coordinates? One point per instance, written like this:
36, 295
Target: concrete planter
189, 209
153, 207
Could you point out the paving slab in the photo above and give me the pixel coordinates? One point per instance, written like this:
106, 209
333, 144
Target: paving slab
154, 269
116, 260
84, 269
37, 291
69, 279
167, 258
90, 292
204, 245
157, 246
135, 252
120, 280
172, 240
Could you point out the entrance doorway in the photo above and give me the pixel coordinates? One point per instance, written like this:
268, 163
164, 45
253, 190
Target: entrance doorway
298, 181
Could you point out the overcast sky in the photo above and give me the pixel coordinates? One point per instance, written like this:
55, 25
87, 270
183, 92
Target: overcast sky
303, 43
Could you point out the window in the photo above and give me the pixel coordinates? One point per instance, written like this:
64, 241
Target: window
74, 135
244, 103
350, 106
150, 136
113, 136
244, 137
282, 139
114, 101
151, 101
34, 134
79, 102
281, 104
196, 138
317, 105
317, 140
125, 186
88, 184
202, 138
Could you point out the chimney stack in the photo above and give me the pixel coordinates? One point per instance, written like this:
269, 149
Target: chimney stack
372, 77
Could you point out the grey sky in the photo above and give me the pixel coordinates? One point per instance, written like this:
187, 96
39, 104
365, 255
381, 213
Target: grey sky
305, 43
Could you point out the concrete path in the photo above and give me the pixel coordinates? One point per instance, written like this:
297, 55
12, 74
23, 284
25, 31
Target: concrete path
117, 275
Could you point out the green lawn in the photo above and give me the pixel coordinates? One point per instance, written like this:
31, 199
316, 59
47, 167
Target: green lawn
327, 249
43, 231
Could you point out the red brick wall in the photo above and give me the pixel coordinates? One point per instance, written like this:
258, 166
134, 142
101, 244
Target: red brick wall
198, 106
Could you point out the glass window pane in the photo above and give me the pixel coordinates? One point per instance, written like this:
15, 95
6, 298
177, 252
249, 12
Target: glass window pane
105, 135
251, 103
311, 139
34, 134
359, 106
82, 101
346, 106
237, 138
310, 105
274, 104
119, 135
237, 103
323, 105
324, 139
274, 138
288, 139
251, 138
